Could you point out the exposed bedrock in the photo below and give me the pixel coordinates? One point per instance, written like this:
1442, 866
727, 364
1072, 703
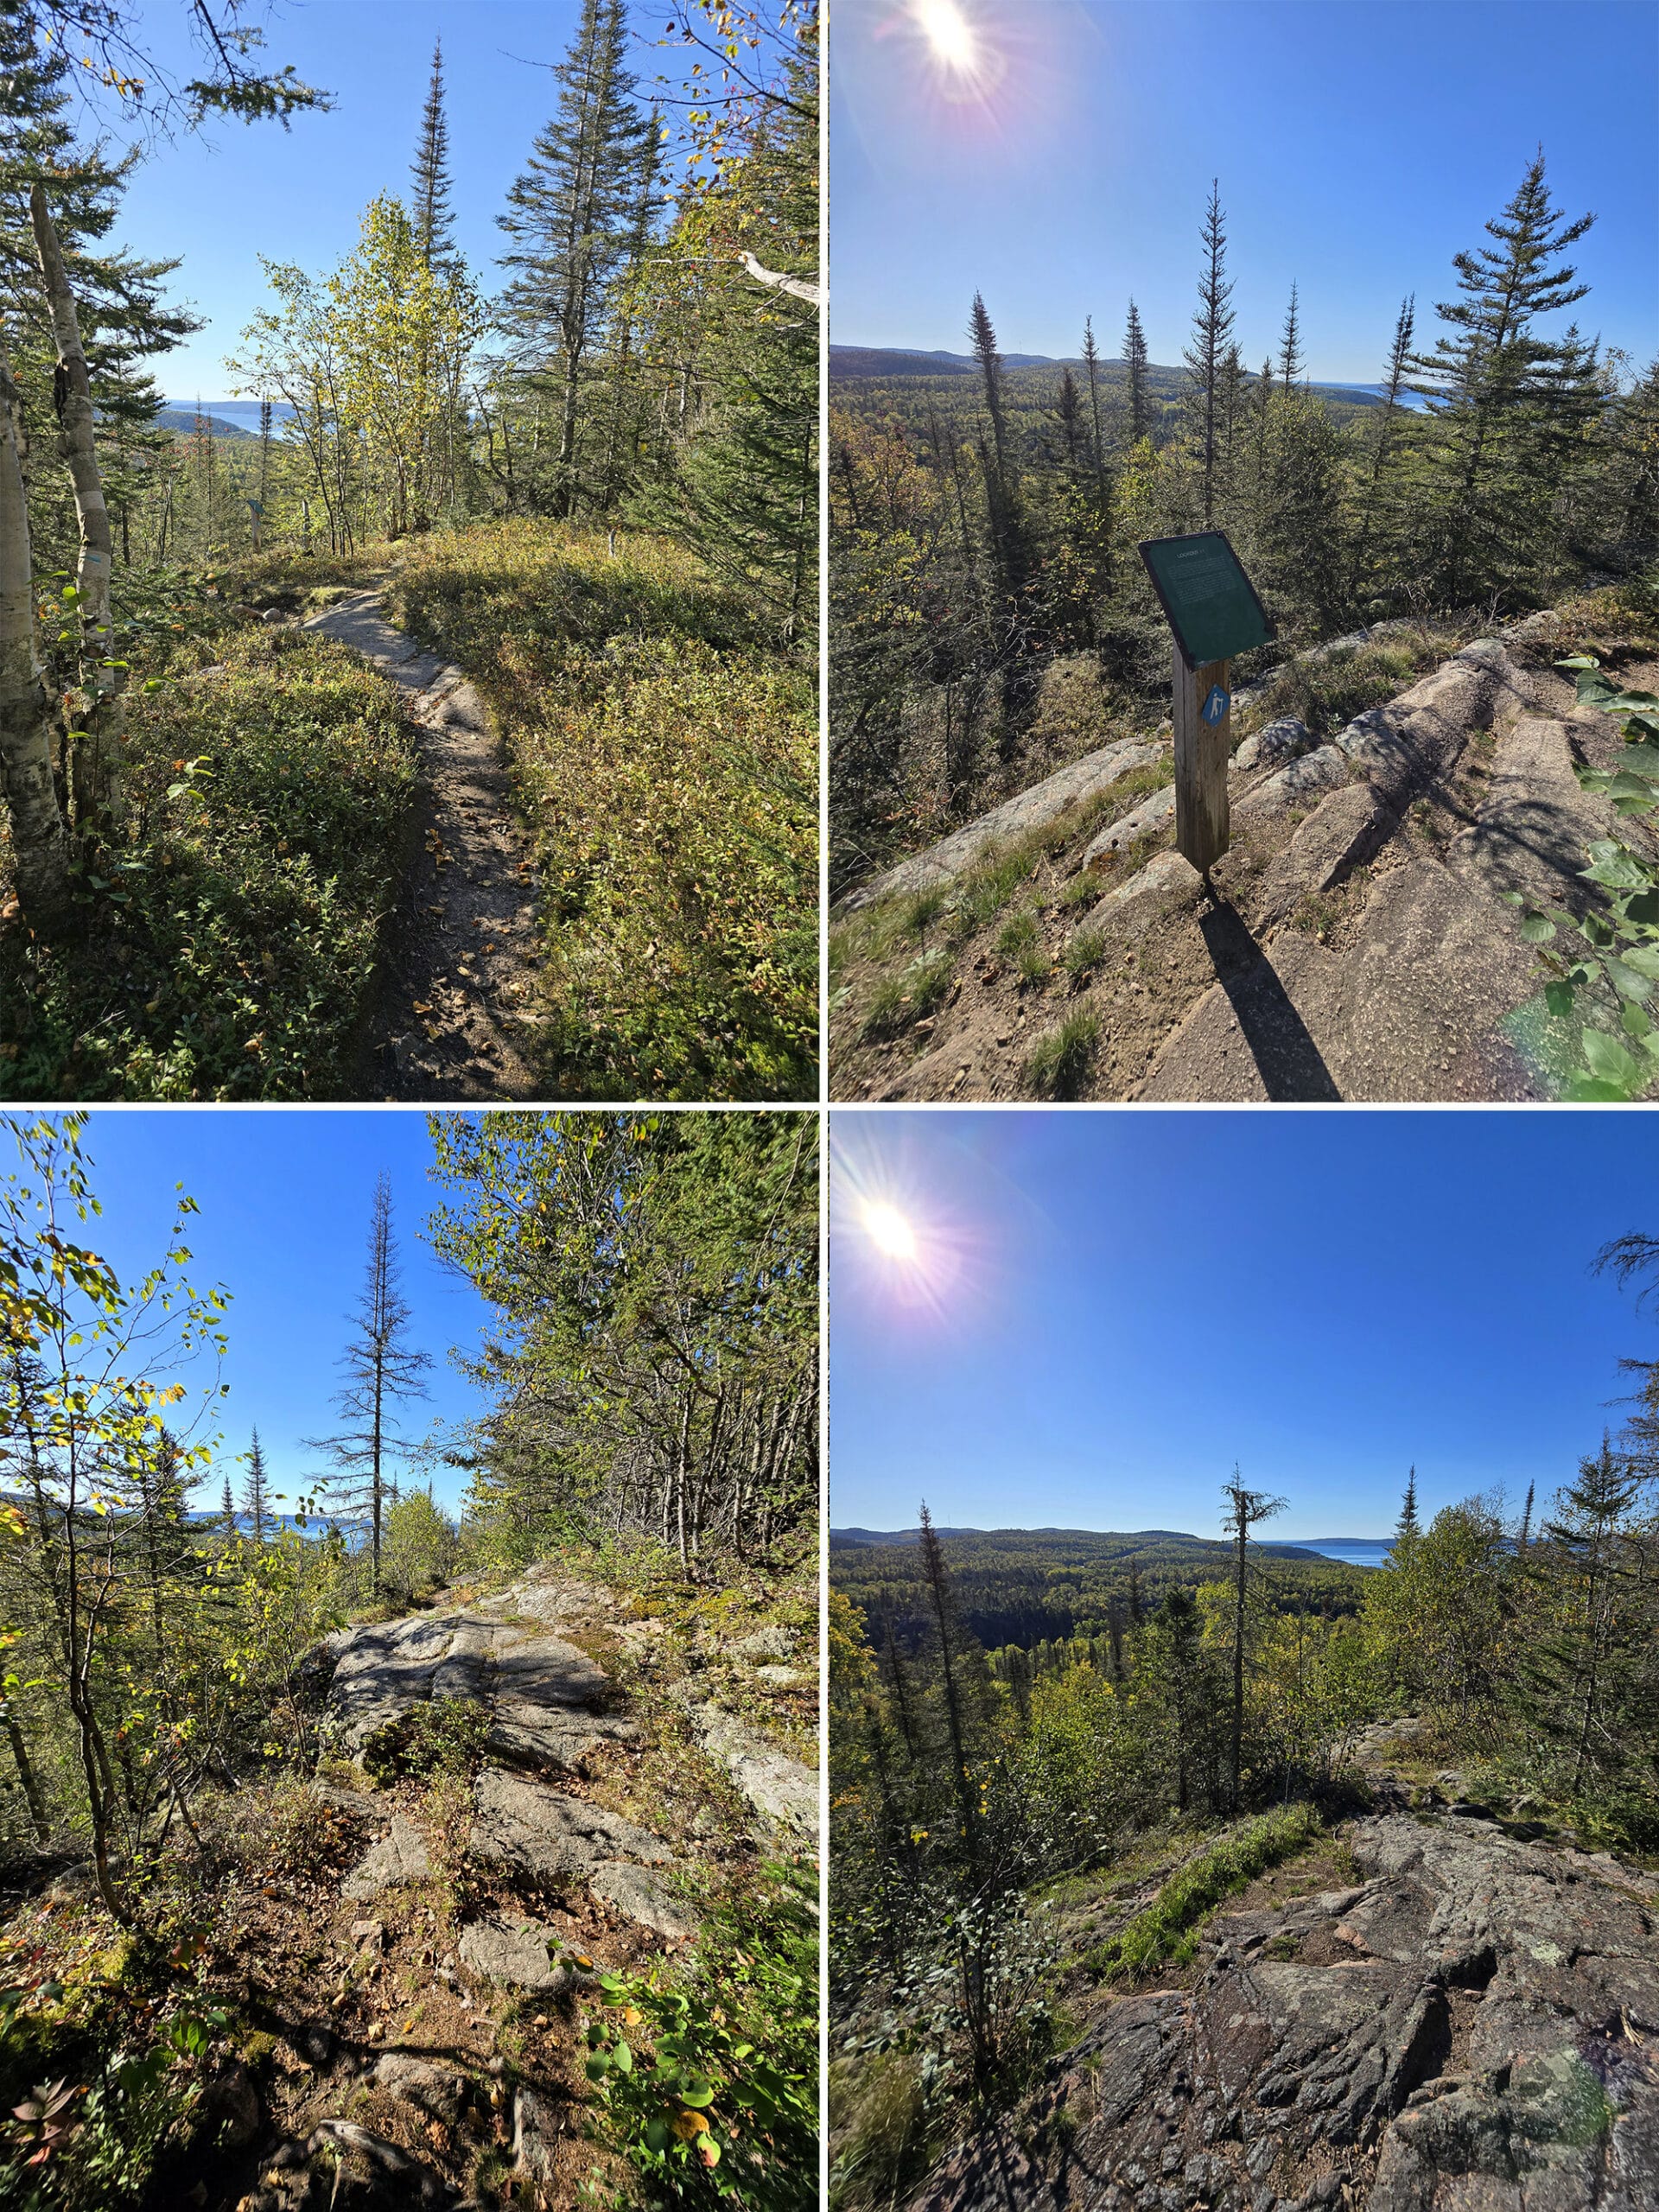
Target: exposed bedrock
1474, 2027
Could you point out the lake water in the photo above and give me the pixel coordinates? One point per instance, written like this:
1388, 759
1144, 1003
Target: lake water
1353, 1551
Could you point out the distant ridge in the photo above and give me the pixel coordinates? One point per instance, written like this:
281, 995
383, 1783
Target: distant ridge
852, 1539
185, 418
850, 362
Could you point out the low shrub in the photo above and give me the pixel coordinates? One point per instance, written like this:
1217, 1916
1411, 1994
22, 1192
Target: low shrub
709, 2075
667, 766
228, 946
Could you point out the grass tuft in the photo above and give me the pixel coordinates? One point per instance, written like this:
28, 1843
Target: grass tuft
1060, 1059
1163, 1933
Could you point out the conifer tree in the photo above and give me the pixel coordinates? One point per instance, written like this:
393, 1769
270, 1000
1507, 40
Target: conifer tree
950, 1638
433, 218
255, 1501
1245, 1507
1135, 357
1407, 1529
1292, 360
568, 219
1507, 396
1587, 1672
1212, 335
383, 1371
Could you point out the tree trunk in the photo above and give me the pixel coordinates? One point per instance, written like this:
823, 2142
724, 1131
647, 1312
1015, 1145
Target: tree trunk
97, 758
39, 840
30, 1780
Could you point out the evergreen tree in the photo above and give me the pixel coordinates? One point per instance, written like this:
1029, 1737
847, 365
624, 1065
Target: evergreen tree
1135, 356
568, 217
1588, 1671
949, 1640
1244, 1509
1212, 335
254, 1502
1292, 360
383, 1371
123, 321
1508, 397
433, 219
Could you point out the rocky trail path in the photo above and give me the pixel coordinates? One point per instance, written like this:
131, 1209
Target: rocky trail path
461, 1926
455, 1014
1355, 942
1469, 2024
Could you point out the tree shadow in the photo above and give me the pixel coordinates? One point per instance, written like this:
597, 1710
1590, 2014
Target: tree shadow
1287, 1059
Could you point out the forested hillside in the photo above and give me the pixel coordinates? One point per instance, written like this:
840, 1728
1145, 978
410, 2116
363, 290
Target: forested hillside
990, 619
352, 1848
1025, 1838
1022, 1587
633, 381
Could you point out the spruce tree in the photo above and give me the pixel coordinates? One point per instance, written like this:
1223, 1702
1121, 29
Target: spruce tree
950, 1639
430, 211
122, 319
1244, 1509
1587, 1672
1212, 336
1292, 360
383, 1371
1507, 396
255, 1501
1135, 357
568, 219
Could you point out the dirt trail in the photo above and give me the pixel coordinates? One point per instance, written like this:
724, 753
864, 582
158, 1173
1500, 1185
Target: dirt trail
454, 1017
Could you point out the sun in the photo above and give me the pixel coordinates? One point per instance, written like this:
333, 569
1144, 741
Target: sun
948, 31
888, 1230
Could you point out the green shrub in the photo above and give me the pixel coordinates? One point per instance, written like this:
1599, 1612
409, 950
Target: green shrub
444, 1736
667, 766
709, 2077
230, 946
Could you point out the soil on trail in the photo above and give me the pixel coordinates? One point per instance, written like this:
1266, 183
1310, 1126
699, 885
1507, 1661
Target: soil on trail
1440, 2007
454, 1016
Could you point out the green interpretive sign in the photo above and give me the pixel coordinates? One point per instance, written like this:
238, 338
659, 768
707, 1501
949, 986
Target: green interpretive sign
1211, 602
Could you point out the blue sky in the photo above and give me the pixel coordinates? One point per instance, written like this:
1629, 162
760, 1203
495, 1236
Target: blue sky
1360, 144
1107, 1309
284, 1198
222, 199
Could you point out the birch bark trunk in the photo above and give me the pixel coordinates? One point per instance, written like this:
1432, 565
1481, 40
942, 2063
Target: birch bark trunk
38, 841
97, 755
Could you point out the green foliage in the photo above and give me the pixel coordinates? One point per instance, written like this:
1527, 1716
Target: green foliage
709, 2077
655, 1277
1612, 980
1163, 1933
1057, 1064
230, 944
444, 1736
667, 766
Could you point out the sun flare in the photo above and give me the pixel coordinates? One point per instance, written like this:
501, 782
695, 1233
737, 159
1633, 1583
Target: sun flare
949, 33
888, 1230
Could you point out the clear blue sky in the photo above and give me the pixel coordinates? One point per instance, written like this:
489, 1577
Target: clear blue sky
296, 195
1107, 1310
1360, 144
284, 1197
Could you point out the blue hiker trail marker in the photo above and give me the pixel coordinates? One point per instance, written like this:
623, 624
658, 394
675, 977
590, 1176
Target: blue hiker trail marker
1216, 705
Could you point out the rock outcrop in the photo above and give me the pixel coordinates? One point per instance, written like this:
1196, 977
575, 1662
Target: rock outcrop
1473, 2027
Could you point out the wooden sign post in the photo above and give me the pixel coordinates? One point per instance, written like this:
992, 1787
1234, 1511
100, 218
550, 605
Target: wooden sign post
1213, 612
